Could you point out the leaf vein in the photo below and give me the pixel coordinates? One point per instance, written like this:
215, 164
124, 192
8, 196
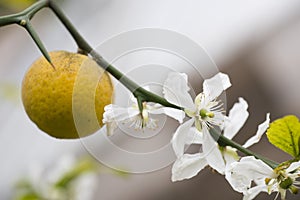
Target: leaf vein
292, 138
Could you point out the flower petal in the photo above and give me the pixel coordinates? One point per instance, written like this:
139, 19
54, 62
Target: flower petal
238, 182
254, 191
180, 136
194, 137
213, 87
252, 168
110, 128
187, 166
116, 113
260, 131
293, 166
241, 174
179, 115
176, 89
236, 118
212, 153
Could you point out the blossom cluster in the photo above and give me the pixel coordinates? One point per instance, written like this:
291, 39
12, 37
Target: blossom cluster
247, 175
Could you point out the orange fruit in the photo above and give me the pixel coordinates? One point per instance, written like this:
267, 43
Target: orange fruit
67, 101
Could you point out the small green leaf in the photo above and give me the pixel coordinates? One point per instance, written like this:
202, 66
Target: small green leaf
284, 133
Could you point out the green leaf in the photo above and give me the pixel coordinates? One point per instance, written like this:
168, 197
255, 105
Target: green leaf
284, 133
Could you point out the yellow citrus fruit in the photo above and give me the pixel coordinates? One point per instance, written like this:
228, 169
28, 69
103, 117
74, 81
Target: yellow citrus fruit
66, 101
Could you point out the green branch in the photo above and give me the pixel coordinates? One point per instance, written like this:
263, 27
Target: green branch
224, 141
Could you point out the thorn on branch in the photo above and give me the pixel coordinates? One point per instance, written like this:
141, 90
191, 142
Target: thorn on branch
27, 25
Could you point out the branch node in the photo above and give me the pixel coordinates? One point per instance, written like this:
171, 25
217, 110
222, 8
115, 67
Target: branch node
81, 51
23, 22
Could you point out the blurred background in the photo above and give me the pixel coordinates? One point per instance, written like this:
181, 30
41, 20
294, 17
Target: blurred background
255, 42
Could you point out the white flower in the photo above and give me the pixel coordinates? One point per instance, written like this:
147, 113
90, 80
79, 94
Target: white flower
219, 158
205, 110
114, 114
212, 154
188, 165
250, 170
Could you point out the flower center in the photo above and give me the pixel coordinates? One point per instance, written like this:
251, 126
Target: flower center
204, 113
286, 183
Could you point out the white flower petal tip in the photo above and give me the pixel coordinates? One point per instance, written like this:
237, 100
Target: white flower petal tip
187, 166
262, 128
294, 166
214, 86
176, 90
225, 80
237, 117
